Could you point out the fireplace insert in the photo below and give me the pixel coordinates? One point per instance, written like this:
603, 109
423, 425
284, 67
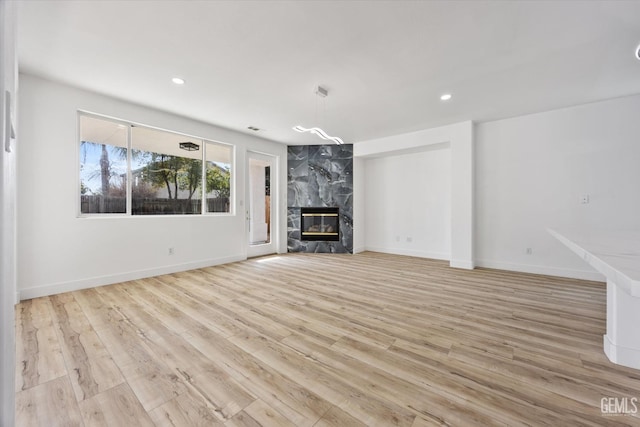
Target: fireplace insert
320, 224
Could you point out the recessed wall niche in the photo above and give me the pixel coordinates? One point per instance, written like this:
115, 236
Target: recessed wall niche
320, 176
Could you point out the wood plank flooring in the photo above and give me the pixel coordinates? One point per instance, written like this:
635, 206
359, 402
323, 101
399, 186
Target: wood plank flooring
321, 340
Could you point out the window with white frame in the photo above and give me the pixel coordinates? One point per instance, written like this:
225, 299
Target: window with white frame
103, 166
218, 177
138, 170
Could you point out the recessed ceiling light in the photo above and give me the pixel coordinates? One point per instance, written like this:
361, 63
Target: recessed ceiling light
638, 52
178, 80
445, 97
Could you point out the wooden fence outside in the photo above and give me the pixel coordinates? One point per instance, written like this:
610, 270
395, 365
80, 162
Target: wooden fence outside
95, 204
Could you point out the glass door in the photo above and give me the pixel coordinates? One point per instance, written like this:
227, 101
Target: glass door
259, 204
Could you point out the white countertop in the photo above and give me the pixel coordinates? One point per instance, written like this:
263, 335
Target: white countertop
614, 254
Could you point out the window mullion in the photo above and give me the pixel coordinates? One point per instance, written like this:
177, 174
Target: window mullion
203, 185
129, 174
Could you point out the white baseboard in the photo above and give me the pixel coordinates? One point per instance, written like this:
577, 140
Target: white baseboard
359, 249
466, 265
56, 288
91, 282
629, 357
418, 254
542, 269
522, 268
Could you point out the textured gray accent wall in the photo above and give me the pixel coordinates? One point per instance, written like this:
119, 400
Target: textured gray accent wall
320, 176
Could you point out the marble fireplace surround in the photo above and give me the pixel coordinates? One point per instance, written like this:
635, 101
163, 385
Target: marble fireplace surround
320, 176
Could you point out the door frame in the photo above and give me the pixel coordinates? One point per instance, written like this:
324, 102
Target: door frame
271, 247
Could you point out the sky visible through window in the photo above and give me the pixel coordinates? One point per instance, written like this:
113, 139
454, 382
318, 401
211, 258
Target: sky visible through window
90, 170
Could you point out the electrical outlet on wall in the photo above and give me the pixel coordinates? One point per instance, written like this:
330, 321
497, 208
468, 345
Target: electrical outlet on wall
528, 251
171, 250
584, 199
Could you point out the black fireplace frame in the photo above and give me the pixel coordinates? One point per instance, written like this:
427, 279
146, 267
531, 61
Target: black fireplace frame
320, 236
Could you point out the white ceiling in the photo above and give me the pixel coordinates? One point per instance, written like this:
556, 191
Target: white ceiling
385, 64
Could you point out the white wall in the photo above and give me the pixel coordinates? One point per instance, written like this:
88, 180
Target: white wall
359, 207
408, 203
459, 136
58, 251
8, 82
531, 172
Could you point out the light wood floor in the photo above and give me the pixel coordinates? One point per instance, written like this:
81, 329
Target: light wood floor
321, 340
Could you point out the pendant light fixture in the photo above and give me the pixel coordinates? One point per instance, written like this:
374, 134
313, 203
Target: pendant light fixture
320, 93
